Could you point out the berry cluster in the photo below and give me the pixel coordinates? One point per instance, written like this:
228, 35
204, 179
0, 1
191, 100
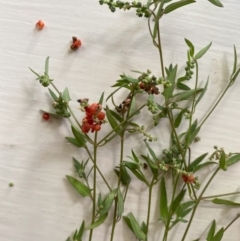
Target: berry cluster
188, 178
94, 116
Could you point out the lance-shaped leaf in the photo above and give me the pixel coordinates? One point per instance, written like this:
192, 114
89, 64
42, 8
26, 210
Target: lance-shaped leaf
176, 5
211, 231
182, 86
225, 202
66, 96
134, 226
202, 51
79, 136
216, 3
200, 166
73, 141
163, 202
168, 91
151, 152
125, 178
120, 203
46, 65
191, 47
82, 189
112, 121
235, 61
233, 159
101, 98
107, 203
178, 119
52, 94
185, 95
78, 234
178, 199
196, 162
98, 222
222, 162
202, 93
219, 235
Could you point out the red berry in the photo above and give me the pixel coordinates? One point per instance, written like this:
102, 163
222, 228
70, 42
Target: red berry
93, 109
101, 115
86, 127
40, 24
76, 43
45, 116
96, 127
188, 178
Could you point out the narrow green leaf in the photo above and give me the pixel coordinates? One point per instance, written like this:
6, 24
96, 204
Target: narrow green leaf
178, 119
185, 95
107, 203
199, 167
98, 222
136, 227
73, 141
222, 162
211, 231
181, 79
202, 51
168, 91
193, 135
176, 5
52, 94
112, 121
225, 202
197, 161
235, 61
216, 3
79, 136
144, 227
68, 239
127, 221
202, 93
116, 116
182, 86
232, 160
178, 199
125, 178
235, 75
120, 203
163, 202
80, 233
101, 98
135, 158
219, 235
77, 164
82, 189
158, 16
66, 96
191, 47
151, 152
35, 72
47, 65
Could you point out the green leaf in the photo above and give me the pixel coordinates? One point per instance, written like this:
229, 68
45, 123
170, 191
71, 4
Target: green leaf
222, 162
235, 75
73, 141
219, 235
168, 91
225, 202
68, 239
235, 61
197, 161
79, 136
135, 158
66, 96
35, 72
199, 167
216, 3
158, 16
151, 152
152, 165
176, 5
52, 94
112, 121
178, 119
191, 47
211, 231
202, 52
127, 221
101, 98
120, 203
202, 93
107, 203
136, 227
47, 65
182, 86
82, 189
178, 199
232, 160
78, 235
193, 135
98, 222
185, 95
125, 178
163, 202
144, 227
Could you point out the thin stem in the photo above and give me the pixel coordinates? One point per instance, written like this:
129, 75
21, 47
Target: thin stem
237, 217
125, 194
197, 203
149, 205
160, 49
94, 183
99, 171
220, 195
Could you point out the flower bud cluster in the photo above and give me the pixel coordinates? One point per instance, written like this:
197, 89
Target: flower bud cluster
94, 116
189, 67
141, 10
61, 107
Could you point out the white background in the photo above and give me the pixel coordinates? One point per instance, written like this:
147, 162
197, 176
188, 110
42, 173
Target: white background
34, 154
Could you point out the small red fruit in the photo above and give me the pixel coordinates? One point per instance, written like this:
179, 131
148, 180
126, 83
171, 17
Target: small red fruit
188, 178
76, 43
86, 127
93, 109
45, 116
96, 127
101, 115
40, 24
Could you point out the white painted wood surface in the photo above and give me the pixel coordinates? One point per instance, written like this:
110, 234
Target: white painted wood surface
33, 153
